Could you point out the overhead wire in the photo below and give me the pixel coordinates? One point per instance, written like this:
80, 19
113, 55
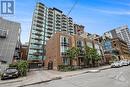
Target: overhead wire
72, 7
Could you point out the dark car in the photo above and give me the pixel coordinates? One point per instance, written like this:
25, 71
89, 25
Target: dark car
9, 73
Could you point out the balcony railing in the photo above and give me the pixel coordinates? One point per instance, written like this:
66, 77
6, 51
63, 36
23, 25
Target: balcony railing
39, 17
64, 44
50, 21
39, 25
38, 29
37, 54
41, 6
38, 43
37, 38
41, 10
38, 33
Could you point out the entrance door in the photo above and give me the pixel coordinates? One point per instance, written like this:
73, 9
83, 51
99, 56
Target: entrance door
50, 65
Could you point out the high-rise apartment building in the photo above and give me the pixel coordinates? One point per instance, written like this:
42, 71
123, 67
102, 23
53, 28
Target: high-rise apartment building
121, 32
9, 40
46, 21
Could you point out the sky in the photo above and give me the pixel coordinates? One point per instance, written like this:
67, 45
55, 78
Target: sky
98, 16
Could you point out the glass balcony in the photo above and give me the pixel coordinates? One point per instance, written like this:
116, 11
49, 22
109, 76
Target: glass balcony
70, 26
40, 14
58, 18
64, 20
50, 11
57, 21
38, 17
38, 29
71, 29
57, 24
70, 23
57, 15
64, 27
38, 33
50, 25
37, 54
50, 21
40, 6
38, 21
40, 10
58, 28
37, 43
36, 48
64, 24
39, 25
37, 38
70, 18
50, 28
50, 15
49, 33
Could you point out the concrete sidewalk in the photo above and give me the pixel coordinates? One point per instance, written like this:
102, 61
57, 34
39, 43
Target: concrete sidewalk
36, 77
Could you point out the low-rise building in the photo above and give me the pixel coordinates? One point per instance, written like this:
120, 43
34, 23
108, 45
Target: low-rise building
115, 49
78, 29
60, 42
24, 52
121, 47
9, 40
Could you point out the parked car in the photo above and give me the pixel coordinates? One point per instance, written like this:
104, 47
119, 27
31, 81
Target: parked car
9, 73
124, 62
116, 64
128, 62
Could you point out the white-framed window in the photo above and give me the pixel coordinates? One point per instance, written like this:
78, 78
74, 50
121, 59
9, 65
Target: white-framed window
90, 44
3, 33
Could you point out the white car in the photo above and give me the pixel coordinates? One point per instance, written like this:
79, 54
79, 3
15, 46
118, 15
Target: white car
128, 62
116, 64
124, 62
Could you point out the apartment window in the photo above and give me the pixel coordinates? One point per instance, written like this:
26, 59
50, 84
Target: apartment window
96, 46
3, 33
79, 43
115, 45
64, 44
89, 44
65, 61
107, 45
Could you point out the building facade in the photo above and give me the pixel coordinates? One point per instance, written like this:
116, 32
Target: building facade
9, 40
46, 21
78, 29
121, 48
115, 49
24, 52
120, 32
58, 44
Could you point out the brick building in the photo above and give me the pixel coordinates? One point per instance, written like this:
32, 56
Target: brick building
57, 45
24, 51
115, 49
121, 47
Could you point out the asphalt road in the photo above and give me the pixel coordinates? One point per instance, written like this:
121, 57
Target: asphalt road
116, 77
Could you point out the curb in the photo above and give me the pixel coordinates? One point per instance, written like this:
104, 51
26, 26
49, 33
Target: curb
11, 82
105, 68
55, 78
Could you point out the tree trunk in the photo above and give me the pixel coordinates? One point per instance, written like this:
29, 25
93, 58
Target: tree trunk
93, 62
